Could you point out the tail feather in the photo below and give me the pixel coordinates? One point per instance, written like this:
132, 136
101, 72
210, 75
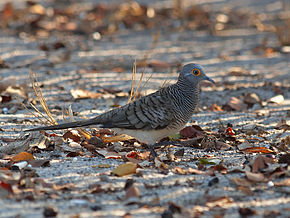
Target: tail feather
66, 125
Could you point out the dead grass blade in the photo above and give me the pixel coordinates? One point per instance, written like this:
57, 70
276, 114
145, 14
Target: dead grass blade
39, 95
134, 93
82, 131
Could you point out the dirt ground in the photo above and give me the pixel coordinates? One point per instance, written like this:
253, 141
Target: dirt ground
234, 157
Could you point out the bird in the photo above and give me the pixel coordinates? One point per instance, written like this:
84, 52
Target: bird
152, 117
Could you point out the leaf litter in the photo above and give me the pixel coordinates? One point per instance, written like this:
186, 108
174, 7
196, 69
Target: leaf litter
172, 160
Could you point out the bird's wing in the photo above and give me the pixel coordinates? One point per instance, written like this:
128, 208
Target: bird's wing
150, 112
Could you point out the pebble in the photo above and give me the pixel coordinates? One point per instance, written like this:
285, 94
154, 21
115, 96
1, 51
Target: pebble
270, 184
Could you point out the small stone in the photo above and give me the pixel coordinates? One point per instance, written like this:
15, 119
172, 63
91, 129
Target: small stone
270, 184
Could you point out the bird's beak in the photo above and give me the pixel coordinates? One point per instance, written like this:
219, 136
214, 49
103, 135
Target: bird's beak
209, 79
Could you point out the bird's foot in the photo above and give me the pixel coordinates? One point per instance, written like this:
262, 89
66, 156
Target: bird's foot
160, 144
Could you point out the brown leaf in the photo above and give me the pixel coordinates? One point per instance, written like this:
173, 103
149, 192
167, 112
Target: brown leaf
283, 125
236, 104
244, 212
285, 158
195, 171
285, 182
73, 135
257, 150
218, 201
220, 168
39, 163
255, 177
5, 98
251, 98
131, 191
22, 156
179, 153
258, 164
238, 71
246, 190
49, 212
222, 145
215, 108
125, 169
97, 142
241, 182
192, 132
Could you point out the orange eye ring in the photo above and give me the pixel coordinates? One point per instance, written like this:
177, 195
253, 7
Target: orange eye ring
195, 72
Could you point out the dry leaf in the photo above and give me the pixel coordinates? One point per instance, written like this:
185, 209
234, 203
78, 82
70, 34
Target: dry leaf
241, 182
215, 108
283, 125
285, 182
83, 94
195, 171
257, 150
125, 169
255, 177
22, 156
238, 71
236, 104
278, 99
132, 192
73, 135
192, 131
258, 164
251, 98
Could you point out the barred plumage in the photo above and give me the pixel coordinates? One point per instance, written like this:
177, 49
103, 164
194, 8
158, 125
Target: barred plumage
154, 116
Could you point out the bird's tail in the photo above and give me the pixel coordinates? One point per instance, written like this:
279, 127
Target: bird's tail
66, 125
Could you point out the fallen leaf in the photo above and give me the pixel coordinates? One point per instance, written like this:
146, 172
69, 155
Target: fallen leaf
236, 104
238, 71
220, 168
283, 125
215, 108
285, 182
245, 145
245, 212
125, 169
278, 99
109, 154
103, 166
251, 98
284, 158
49, 212
22, 156
222, 145
255, 177
131, 190
241, 182
179, 153
73, 135
39, 163
257, 150
83, 94
206, 161
192, 132
221, 201
195, 171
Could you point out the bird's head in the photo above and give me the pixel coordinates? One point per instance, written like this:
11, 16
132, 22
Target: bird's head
193, 73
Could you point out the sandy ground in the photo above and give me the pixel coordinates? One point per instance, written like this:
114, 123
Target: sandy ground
92, 64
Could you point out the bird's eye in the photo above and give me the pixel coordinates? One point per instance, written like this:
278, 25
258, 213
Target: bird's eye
195, 72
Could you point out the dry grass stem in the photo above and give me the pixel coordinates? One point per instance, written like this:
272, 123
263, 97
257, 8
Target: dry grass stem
38, 93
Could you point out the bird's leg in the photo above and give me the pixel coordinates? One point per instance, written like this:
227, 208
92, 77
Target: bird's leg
160, 144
